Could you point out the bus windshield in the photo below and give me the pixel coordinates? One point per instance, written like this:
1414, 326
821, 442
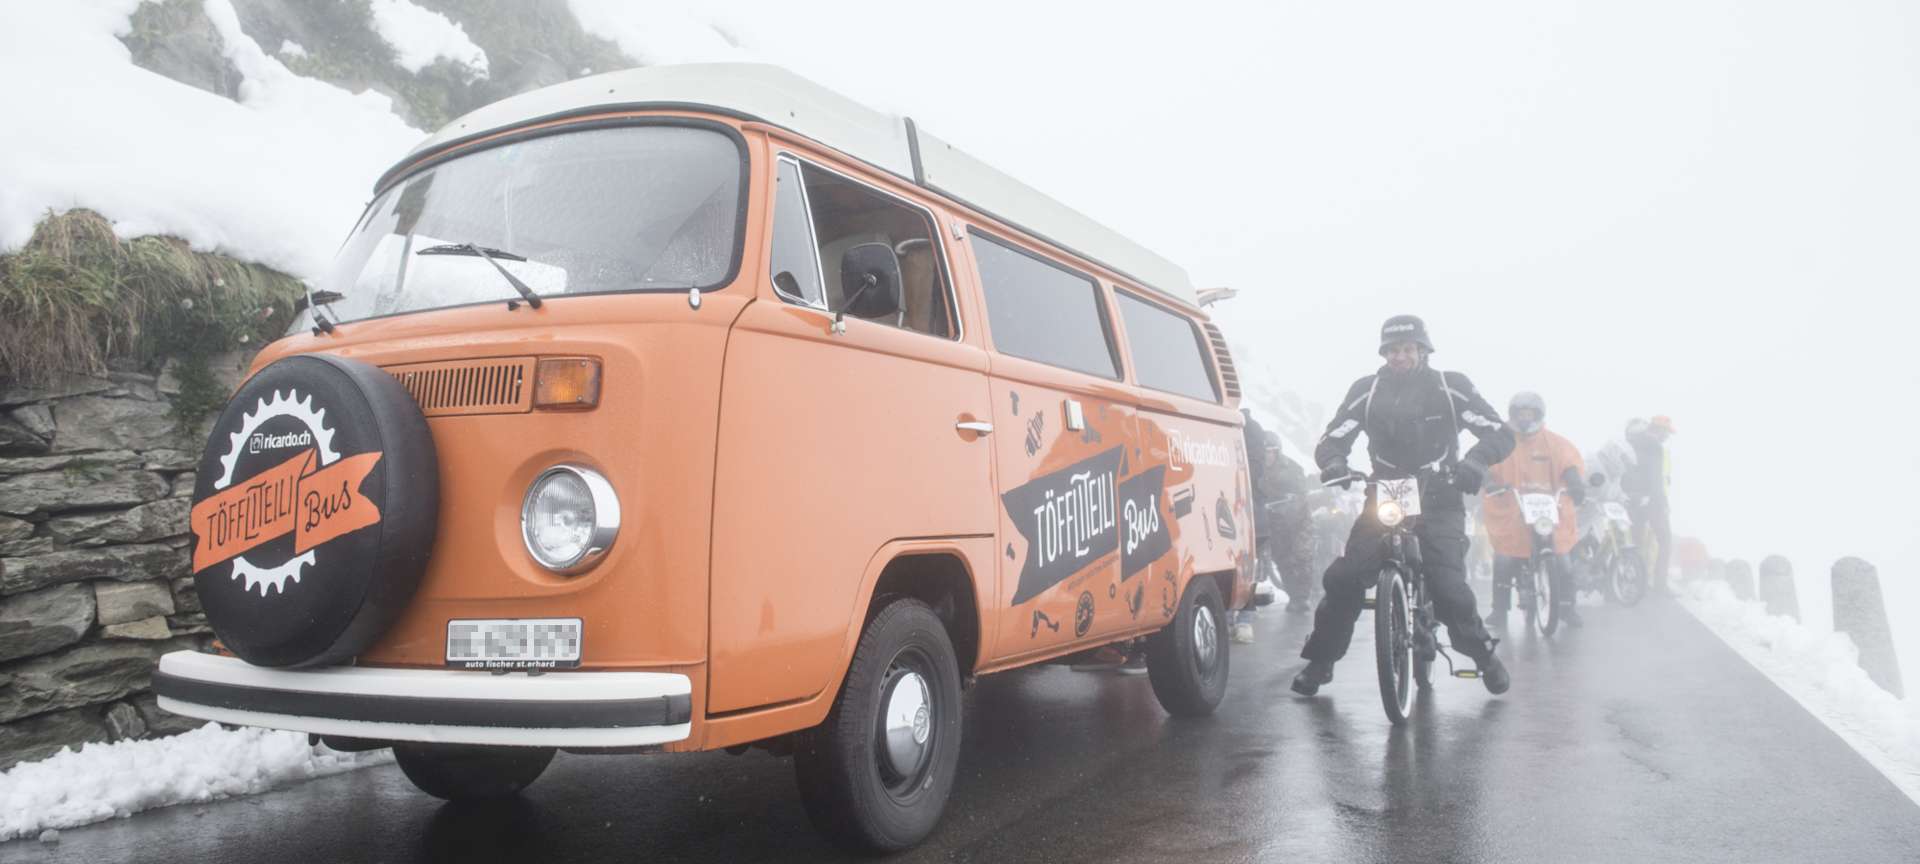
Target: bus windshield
634, 208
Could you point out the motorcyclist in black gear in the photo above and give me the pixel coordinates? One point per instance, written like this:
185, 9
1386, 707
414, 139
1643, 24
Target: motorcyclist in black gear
1412, 415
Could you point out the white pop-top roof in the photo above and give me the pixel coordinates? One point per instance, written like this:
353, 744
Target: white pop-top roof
895, 144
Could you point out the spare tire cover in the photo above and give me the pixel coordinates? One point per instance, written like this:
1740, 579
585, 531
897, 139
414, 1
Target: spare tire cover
314, 511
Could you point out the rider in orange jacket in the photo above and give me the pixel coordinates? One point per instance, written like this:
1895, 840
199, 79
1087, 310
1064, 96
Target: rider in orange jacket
1541, 462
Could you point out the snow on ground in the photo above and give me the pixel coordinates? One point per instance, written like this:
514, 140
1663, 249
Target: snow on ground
105, 781
277, 177
421, 36
1821, 671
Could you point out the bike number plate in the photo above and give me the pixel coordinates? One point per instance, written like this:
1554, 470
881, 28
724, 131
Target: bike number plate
1616, 512
1534, 508
1404, 493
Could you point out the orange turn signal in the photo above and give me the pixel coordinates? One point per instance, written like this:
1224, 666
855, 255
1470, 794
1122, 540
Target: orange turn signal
566, 383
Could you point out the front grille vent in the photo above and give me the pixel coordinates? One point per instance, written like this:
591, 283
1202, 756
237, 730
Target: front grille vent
1229, 376
495, 385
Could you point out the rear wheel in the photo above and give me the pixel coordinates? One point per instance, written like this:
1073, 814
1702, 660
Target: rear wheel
459, 772
1627, 578
1393, 644
1424, 647
876, 775
1187, 659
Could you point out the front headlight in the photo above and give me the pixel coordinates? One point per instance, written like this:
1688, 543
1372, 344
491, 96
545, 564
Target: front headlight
1543, 527
1390, 514
569, 518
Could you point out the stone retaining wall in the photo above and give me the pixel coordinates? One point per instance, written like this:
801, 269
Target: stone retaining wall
96, 476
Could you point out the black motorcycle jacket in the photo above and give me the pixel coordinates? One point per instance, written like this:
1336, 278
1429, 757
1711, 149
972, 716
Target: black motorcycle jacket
1413, 423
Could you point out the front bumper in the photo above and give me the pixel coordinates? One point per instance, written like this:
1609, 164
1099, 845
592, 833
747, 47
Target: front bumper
441, 706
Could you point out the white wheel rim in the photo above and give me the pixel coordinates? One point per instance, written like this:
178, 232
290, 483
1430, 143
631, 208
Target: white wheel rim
1206, 638
909, 722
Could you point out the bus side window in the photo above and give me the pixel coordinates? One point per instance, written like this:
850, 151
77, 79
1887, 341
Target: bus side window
796, 272
847, 213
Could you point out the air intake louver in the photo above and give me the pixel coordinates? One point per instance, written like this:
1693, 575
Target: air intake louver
1229, 377
496, 385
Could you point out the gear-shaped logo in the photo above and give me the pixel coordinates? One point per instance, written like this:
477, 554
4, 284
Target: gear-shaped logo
290, 405
270, 578
275, 578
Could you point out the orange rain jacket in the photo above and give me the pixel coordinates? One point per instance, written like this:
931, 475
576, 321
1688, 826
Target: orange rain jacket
1539, 463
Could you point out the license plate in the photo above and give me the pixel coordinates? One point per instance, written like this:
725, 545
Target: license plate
513, 643
1616, 512
1404, 492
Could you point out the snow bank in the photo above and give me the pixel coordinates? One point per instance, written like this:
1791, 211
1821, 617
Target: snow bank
658, 33
420, 36
105, 781
277, 177
1821, 671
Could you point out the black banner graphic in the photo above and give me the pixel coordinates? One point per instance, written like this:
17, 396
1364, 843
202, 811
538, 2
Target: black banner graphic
1069, 520
1078, 515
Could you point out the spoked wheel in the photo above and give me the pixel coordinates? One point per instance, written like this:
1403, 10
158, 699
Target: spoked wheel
876, 775
1627, 578
1393, 645
1545, 612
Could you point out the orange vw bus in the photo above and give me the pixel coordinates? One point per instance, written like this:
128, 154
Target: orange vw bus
699, 407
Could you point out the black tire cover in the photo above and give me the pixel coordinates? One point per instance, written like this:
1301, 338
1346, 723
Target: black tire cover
314, 511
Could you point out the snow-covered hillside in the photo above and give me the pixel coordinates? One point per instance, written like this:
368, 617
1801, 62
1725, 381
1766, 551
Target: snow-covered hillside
1268, 394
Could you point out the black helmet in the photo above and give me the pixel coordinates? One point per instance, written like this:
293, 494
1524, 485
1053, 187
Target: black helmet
1404, 328
1528, 399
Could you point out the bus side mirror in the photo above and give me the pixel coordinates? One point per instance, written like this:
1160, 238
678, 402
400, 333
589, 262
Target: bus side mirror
870, 280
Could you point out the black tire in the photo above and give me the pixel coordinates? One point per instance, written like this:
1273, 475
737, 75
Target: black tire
852, 790
1627, 578
1188, 659
459, 772
1393, 652
369, 490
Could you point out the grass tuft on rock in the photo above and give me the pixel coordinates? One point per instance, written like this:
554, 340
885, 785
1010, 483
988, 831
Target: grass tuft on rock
77, 298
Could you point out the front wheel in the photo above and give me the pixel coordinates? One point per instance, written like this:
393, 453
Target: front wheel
1544, 614
1187, 659
1627, 578
876, 775
1393, 644
458, 772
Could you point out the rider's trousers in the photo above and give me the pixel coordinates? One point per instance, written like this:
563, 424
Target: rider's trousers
1443, 551
1506, 571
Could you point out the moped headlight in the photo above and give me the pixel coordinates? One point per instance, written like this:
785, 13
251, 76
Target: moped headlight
1543, 527
569, 518
1390, 514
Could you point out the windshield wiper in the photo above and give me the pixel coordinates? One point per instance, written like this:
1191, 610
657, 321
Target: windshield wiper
312, 303
321, 297
490, 254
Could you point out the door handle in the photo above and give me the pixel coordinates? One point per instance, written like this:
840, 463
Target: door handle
978, 427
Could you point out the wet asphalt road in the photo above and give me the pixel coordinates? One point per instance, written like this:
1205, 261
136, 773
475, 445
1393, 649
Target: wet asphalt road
1640, 737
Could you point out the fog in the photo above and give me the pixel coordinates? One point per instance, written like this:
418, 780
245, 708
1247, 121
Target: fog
1703, 210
